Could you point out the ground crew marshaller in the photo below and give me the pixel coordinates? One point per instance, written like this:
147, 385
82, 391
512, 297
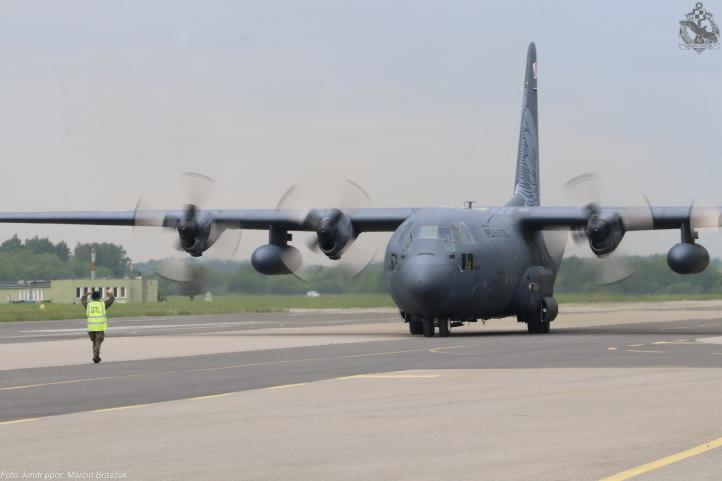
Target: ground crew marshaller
95, 310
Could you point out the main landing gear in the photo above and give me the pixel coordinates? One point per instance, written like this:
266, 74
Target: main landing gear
539, 322
537, 326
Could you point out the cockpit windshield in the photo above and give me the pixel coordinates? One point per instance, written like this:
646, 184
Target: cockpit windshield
433, 232
455, 232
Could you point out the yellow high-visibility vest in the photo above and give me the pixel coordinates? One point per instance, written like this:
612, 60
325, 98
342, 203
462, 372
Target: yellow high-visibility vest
97, 320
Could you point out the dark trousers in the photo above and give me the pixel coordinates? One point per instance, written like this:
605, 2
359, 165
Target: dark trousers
96, 337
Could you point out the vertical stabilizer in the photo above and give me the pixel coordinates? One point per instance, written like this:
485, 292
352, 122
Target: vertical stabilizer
526, 183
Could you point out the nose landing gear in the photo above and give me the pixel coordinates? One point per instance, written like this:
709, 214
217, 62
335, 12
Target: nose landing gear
444, 328
415, 327
427, 325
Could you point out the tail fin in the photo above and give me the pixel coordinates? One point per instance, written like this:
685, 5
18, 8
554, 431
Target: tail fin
526, 187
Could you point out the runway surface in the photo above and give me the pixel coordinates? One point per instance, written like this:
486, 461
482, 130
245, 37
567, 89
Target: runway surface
350, 395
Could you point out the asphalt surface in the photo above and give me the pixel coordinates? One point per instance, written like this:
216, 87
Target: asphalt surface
596, 357
30, 331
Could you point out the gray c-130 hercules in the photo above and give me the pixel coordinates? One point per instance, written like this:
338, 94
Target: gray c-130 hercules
442, 266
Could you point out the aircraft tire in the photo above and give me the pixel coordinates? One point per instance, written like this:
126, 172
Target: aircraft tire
428, 326
537, 326
444, 328
416, 328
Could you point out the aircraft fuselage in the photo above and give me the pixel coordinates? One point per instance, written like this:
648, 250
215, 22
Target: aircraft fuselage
468, 264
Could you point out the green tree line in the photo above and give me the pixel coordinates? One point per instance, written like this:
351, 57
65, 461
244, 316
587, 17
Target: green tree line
651, 275
38, 258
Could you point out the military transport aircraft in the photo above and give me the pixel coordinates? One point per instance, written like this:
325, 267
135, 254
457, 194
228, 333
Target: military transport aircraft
443, 266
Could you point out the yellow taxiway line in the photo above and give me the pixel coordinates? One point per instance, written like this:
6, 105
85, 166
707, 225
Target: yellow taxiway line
209, 396
390, 376
660, 463
16, 421
207, 369
285, 386
118, 408
397, 375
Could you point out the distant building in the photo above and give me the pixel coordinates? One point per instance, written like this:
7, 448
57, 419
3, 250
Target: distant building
24, 291
69, 291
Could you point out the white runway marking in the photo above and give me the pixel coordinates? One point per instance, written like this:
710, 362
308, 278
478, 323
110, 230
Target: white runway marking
710, 340
150, 326
32, 333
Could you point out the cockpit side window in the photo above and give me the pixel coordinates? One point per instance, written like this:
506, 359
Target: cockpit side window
403, 234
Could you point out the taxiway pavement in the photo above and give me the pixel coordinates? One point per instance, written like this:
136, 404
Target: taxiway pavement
350, 395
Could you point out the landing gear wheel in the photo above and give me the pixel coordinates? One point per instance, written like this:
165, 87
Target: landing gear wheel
415, 328
537, 327
444, 328
538, 323
428, 326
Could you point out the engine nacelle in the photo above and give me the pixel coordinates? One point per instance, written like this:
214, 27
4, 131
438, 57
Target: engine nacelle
605, 232
195, 233
271, 259
687, 258
334, 231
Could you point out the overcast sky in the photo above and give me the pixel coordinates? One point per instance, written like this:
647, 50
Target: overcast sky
104, 102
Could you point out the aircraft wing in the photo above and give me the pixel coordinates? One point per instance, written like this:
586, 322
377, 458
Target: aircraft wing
604, 228
382, 219
632, 218
363, 220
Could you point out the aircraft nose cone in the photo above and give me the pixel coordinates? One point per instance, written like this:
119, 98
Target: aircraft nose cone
428, 278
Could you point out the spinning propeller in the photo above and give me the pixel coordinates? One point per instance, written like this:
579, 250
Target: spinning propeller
332, 235
604, 230
196, 229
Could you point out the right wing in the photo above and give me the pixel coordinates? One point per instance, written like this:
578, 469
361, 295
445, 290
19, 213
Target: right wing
363, 220
633, 218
